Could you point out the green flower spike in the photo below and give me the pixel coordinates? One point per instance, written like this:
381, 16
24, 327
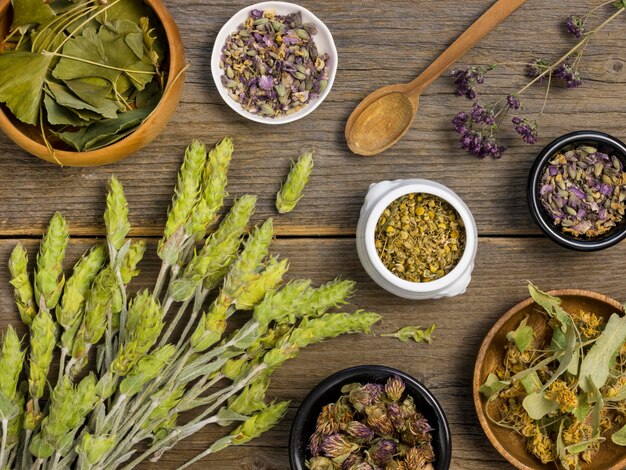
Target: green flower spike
254, 292
252, 398
42, 342
211, 263
92, 449
11, 363
291, 191
69, 405
185, 198
213, 189
23, 289
49, 277
146, 369
134, 255
116, 214
69, 309
143, 327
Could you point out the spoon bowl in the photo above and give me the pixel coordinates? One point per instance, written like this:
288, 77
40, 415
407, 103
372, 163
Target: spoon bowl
386, 115
380, 120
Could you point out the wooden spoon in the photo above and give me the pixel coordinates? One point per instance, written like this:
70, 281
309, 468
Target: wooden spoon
383, 117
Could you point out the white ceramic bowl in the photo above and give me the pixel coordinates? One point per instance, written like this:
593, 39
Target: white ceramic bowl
382, 194
323, 40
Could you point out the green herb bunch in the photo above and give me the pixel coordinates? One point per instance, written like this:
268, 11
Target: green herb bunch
122, 406
86, 72
561, 384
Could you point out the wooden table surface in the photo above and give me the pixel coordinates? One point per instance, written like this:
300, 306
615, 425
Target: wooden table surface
379, 43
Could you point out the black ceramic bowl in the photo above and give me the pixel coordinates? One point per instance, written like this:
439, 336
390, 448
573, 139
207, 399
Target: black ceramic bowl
605, 143
329, 391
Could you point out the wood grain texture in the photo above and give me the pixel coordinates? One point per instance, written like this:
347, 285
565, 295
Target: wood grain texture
379, 43
445, 366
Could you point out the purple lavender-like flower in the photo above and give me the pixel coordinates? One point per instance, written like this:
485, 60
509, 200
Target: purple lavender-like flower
460, 122
566, 72
256, 14
396, 416
575, 26
526, 129
382, 452
359, 430
353, 460
536, 67
266, 82
466, 80
337, 445
482, 115
513, 102
394, 388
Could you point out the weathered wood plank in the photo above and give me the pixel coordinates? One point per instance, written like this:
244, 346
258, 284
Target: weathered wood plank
379, 42
445, 366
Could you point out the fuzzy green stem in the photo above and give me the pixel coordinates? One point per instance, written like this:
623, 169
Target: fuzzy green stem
158, 287
200, 456
174, 322
3, 444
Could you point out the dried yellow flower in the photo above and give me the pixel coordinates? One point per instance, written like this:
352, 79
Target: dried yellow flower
563, 395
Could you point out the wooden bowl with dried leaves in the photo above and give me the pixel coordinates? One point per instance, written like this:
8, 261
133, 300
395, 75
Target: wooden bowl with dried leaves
510, 444
29, 137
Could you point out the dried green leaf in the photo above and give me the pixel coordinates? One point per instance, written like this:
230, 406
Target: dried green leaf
493, 385
23, 92
531, 382
537, 406
415, 333
619, 437
522, 336
27, 13
595, 367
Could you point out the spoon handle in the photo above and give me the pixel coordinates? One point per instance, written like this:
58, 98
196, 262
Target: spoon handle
498, 12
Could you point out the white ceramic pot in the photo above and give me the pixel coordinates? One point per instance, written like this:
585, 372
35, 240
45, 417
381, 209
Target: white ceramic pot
380, 195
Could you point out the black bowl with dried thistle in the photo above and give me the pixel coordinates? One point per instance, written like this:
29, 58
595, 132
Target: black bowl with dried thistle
331, 389
577, 191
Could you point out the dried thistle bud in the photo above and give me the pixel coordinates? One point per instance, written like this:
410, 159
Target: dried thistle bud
326, 422
360, 431
337, 445
366, 396
23, 289
378, 420
315, 443
321, 463
382, 451
291, 191
418, 458
394, 388
352, 461
396, 415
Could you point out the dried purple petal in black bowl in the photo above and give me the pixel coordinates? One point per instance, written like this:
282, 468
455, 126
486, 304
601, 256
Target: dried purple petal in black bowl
547, 219
329, 390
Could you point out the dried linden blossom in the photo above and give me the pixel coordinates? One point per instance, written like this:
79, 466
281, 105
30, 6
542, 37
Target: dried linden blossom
420, 237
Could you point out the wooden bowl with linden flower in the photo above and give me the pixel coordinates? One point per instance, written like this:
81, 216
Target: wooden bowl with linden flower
29, 136
508, 442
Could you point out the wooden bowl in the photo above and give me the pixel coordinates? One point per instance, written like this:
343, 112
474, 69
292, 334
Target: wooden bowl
28, 137
507, 442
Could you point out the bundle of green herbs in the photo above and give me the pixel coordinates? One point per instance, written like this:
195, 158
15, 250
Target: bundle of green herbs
100, 408
562, 383
86, 72
372, 426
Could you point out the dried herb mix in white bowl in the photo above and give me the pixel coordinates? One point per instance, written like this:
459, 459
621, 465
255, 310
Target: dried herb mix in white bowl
274, 62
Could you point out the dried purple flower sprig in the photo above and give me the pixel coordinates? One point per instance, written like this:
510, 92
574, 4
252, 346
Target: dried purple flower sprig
272, 66
479, 128
372, 427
